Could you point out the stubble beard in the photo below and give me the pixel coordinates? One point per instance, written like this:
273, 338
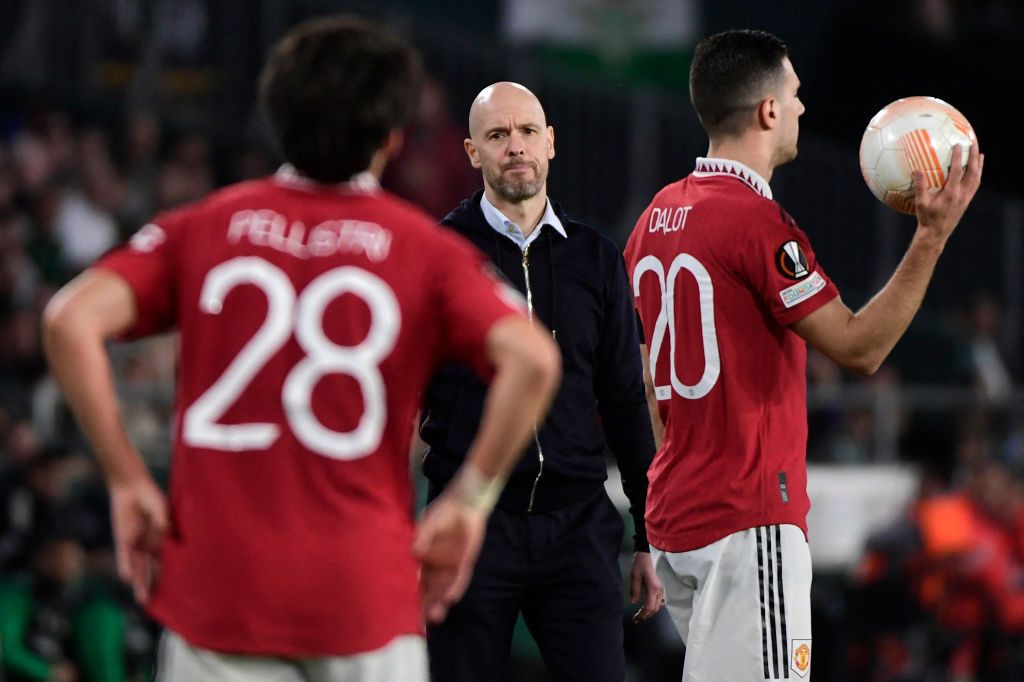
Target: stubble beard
516, 192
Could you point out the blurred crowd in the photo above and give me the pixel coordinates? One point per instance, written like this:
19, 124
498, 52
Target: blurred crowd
939, 595
70, 188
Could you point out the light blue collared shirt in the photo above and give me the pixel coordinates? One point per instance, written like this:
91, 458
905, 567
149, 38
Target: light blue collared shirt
500, 223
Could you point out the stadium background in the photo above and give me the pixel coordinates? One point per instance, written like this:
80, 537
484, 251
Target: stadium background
112, 109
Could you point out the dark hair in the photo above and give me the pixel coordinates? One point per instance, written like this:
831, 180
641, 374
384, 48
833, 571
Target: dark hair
333, 89
729, 75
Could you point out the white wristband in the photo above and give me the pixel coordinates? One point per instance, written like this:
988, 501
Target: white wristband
476, 490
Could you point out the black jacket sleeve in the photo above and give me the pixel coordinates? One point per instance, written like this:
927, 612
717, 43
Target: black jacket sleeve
621, 399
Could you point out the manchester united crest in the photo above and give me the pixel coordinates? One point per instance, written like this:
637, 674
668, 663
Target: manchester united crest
801, 657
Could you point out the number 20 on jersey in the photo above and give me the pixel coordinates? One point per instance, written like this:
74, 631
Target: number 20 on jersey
666, 323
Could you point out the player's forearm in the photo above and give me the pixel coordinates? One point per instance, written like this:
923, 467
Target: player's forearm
78, 359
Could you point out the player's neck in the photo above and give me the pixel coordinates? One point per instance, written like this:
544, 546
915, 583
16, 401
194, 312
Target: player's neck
747, 152
526, 214
378, 162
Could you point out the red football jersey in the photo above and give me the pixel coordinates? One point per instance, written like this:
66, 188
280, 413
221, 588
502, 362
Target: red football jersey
719, 270
310, 318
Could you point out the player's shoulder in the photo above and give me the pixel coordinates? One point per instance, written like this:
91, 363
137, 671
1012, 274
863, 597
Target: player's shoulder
786, 219
747, 206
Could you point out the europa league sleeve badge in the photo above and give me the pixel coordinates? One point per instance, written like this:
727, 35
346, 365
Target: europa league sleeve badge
791, 261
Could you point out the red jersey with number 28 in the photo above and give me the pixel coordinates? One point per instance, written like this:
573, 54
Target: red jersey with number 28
310, 318
719, 271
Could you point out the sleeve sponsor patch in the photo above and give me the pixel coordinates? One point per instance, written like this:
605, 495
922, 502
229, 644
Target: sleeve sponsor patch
791, 261
801, 291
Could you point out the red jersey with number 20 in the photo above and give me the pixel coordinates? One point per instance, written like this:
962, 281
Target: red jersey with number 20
310, 318
719, 271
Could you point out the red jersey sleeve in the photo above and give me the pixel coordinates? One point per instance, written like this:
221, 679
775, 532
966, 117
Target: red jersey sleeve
471, 297
145, 262
782, 267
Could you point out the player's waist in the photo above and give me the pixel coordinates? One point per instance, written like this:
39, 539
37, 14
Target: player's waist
684, 532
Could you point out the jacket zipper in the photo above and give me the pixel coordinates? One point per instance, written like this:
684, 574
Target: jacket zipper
536, 436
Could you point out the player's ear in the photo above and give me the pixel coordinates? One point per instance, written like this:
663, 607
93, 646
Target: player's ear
471, 152
551, 142
768, 113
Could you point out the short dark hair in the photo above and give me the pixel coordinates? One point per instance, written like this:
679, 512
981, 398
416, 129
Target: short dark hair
333, 89
730, 73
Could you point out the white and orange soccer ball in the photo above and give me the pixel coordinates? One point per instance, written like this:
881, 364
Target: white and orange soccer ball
914, 133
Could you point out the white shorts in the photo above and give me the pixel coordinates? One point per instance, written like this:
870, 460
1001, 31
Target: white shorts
403, 658
742, 605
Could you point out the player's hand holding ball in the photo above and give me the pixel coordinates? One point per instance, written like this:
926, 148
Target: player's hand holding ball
919, 155
938, 213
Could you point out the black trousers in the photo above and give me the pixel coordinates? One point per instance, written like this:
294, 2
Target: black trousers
561, 571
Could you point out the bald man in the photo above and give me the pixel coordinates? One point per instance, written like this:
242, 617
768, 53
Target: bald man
552, 546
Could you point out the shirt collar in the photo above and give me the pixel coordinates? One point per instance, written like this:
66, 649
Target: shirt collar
710, 166
500, 223
289, 175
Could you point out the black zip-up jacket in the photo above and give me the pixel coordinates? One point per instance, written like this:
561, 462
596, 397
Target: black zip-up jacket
581, 292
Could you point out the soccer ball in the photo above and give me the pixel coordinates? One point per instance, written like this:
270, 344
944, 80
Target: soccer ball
914, 133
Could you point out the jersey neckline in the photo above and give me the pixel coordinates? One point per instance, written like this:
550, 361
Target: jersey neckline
289, 176
709, 167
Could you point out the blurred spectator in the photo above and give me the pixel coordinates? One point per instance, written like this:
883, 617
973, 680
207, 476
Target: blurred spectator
18, 500
945, 586
140, 146
250, 161
187, 174
33, 488
855, 441
35, 622
825, 404
83, 229
42, 245
432, 169
855, 424
60, 623
43, 149
19, 278
21, 354
8, 184
989, 369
